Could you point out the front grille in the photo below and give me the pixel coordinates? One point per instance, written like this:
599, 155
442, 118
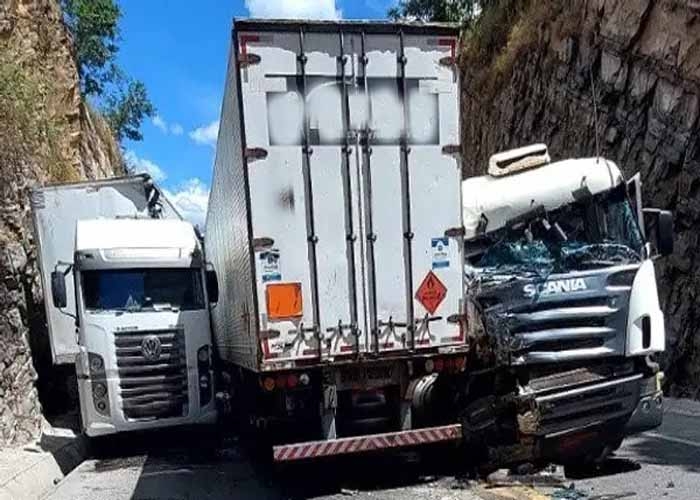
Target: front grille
561, 330
155, 387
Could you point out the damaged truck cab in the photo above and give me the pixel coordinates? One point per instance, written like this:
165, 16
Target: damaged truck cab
560, 278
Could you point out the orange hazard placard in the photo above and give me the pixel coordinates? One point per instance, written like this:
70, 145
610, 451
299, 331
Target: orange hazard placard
431, 292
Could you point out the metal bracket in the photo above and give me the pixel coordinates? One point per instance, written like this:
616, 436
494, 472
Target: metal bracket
252, 154
452, 149
455, 232
269, 334
262, 243
448, 61
248, 59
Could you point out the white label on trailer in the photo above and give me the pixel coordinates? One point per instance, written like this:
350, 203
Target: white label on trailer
270, 265
441, 252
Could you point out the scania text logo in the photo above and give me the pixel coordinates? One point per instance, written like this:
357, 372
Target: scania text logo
151, 347
554, 287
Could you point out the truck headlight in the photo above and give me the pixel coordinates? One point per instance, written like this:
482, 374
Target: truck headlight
203, 369
97, 364
99, 390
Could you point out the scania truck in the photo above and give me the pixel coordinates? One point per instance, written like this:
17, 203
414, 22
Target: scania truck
126, 302
560, 277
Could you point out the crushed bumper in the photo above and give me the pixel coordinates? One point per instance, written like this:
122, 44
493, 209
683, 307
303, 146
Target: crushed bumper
362, 444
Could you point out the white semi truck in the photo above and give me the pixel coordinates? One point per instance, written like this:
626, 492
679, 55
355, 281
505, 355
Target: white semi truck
560, 272
126, 302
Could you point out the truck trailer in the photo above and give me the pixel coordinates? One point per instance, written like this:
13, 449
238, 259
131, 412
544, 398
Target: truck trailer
124, 283
334, 227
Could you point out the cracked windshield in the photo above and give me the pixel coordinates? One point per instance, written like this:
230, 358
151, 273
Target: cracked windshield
598, 232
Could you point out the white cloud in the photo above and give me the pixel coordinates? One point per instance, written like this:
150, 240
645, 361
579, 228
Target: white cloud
206, 134
140, 165
160, 124
293, 9
190, 199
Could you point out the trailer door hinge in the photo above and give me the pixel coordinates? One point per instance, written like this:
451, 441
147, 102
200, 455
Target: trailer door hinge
248, 59
253, 154
262, 243
455, 232
452, 149
448, 61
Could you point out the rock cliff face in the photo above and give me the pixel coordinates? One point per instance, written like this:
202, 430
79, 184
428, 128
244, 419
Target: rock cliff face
644, 59
47, 134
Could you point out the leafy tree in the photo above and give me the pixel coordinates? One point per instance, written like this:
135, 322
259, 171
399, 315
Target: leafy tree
95, 30
94, 25
456, 11
126, 110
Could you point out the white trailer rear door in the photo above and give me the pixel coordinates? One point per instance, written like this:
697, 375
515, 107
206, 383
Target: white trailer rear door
352, 189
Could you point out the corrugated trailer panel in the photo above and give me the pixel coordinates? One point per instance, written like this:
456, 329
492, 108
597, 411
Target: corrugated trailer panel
228, 238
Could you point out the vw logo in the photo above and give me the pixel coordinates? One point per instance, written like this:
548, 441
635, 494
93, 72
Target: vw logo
150, 348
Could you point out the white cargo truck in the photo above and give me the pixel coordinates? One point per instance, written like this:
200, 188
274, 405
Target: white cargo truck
560, 267
124, 280
335, 228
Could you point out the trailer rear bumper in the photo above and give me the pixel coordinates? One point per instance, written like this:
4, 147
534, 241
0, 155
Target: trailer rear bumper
363, 444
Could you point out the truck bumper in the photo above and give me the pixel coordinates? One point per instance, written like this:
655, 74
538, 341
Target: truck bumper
649, 412
97, 429
362, 444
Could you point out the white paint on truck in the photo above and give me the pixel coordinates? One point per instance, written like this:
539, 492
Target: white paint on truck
333, 174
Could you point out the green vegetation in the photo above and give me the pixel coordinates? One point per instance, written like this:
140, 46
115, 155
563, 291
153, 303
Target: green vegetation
94, 25
126, 111
30, 136
454, 11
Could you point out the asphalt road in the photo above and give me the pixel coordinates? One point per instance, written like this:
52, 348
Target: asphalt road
664, 464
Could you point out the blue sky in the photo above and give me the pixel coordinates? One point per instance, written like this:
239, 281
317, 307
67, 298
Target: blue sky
179, 49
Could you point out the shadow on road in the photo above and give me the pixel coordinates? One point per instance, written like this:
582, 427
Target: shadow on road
609, 467
346, 475
178, 464
651, 450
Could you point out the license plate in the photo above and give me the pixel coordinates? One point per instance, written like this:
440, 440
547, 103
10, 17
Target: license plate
367, 376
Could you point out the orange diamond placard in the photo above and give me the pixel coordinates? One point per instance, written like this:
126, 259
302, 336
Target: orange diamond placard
431, 292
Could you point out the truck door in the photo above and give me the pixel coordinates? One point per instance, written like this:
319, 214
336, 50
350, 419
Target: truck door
413, 188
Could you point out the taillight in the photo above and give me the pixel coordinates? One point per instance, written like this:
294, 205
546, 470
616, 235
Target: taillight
268, 384
283, 381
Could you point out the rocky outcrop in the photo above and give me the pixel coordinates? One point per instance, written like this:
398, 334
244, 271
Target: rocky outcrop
643, 57
47, 134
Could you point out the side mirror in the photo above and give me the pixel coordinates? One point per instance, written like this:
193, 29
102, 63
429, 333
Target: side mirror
660, 224
212, 286
58, 289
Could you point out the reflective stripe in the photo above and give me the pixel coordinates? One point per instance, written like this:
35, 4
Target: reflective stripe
312, 449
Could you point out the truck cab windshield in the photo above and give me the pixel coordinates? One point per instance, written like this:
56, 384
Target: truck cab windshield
599, 231
136, 290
